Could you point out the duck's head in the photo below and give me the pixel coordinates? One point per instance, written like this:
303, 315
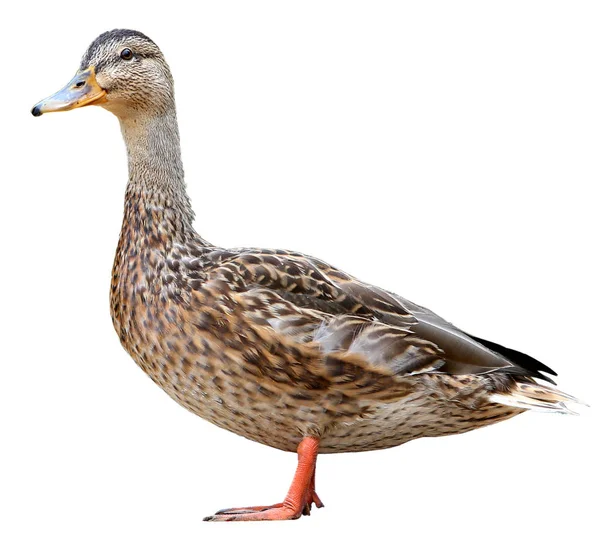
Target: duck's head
123, 71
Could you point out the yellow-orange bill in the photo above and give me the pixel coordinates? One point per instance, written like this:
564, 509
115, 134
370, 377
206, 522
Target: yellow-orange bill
82, 90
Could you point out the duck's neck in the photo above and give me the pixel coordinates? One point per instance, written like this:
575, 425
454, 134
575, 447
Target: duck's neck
156, 200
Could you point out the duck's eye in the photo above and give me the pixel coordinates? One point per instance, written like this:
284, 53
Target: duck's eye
126, 54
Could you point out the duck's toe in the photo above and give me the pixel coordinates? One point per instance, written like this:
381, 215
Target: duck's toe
277, 512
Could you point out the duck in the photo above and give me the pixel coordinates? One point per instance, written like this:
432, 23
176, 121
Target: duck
275, 345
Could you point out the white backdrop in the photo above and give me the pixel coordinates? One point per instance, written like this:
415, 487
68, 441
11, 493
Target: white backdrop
447, 151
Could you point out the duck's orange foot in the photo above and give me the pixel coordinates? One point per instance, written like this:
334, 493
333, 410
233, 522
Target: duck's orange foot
281, 511
298, 501
277, 512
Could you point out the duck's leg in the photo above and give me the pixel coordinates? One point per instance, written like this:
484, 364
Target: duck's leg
300, 496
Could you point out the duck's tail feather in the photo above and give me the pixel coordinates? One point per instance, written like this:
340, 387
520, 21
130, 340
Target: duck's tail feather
536, 397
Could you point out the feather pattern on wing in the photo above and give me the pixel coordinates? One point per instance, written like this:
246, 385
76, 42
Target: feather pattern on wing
307, 300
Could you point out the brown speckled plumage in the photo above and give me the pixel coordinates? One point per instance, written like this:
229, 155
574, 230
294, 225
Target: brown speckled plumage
273, 345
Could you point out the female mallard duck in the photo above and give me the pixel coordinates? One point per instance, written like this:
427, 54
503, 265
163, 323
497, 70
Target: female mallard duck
275, 345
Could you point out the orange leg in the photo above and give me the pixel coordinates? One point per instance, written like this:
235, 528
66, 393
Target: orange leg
299, 499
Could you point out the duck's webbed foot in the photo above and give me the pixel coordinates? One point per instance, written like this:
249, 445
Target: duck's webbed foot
300, 497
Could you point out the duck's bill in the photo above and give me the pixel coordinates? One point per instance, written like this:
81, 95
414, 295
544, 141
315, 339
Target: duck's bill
81, 91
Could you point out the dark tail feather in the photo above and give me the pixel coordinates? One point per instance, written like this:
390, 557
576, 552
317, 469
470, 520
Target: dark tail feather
521, 359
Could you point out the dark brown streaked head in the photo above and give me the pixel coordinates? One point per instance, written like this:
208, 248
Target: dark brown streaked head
123, 71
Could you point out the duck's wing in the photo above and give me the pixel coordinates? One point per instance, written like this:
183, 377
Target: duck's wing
308, 301
469, 354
